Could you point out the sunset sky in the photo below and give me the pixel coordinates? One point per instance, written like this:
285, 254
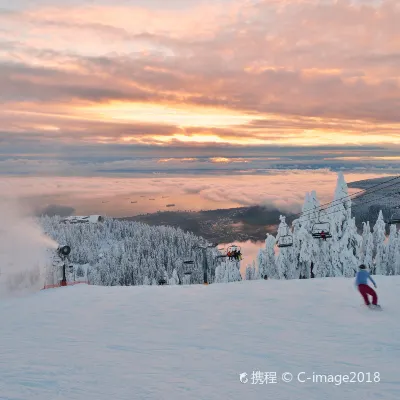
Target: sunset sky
145, 85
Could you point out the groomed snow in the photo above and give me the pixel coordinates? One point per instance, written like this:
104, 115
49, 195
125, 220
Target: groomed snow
192, 342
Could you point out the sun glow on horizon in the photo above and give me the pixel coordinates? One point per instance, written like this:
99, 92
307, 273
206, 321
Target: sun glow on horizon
177, 114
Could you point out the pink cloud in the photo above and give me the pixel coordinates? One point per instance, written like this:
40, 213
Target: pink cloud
304, 67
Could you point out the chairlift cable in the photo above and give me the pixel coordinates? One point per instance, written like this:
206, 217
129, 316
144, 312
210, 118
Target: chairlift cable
319, 209
362, 203
362, 192
328, 234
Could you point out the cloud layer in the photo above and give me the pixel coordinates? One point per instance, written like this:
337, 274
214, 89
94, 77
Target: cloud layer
284, 190
198, 74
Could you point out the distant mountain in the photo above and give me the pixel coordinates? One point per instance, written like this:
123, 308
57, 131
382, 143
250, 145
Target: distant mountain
221, 225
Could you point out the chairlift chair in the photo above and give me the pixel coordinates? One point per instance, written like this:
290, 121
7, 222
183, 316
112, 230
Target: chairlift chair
232, 248
188, 262
285, 241
320, 227
394, 218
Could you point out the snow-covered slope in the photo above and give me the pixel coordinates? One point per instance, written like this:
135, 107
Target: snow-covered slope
192, 342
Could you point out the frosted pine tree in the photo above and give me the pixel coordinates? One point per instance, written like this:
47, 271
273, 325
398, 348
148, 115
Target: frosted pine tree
251, 273
266, 259
310, 211
146, 281
233, 271
297, 241
367, 247
304, 243
350, 249
392, 252
227, 271
305, 246
379, 235
345, 248
285, 260
125, 252
340, 208
262, 263
220, 272
313, 250
174, 280
321, 258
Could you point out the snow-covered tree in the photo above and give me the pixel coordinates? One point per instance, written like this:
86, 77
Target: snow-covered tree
285, 259
251, 273
128, 253
146, 280
310, 211
266, 259
379, 245
367, 248
340, 209
350, 245
174, 280
227, 271
345, 245
392, 253
303, 250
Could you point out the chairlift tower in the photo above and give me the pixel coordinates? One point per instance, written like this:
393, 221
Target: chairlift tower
63, 252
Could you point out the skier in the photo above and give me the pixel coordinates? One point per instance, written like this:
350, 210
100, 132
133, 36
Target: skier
323, 235
362, 283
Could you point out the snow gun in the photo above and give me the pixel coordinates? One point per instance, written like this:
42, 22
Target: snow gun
63, 251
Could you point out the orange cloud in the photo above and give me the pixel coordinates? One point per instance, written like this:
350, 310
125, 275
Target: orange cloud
240, 73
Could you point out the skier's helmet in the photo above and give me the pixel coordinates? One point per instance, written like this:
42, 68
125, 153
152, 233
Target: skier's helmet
362, 266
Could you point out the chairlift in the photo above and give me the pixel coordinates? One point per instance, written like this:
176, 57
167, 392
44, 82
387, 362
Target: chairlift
186, 278
321, 230
188, 271
285, 241
394, 218
232, 248
234, 252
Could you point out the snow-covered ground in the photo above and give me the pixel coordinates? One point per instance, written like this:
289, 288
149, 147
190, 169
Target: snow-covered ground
192, 342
